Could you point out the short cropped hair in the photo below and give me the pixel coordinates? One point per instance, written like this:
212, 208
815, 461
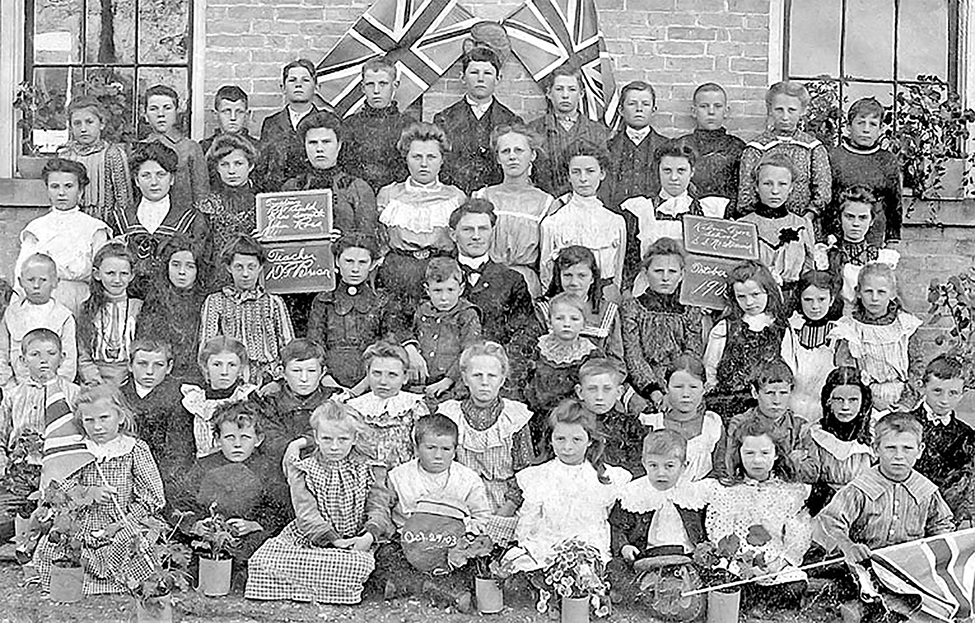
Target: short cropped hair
865, 107
41, 258
602, 365
482, 54
637, 85
709, 87
567, 298
473, 206
775, 371
63, 165
897, 422
225, 144
485, 349
441, 269
790, 88
331, 412
436, 424
381, 63
320, 119
149, 345
944, 367
422, 132
302, 349
40, 335
164, 91
778, 160
665, 442
589, 149
567, 70
240, 413
303, 63
357, 240
229, 93
243, 245
386, 350
675, 148
222, 344
664, 247
86, 102
153, 152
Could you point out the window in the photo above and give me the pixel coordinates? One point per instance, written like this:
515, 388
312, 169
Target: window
113, 50
872, 47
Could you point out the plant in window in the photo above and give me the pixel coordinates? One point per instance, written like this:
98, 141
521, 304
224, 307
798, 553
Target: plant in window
824, 116
39, 111
954, 299
114, 92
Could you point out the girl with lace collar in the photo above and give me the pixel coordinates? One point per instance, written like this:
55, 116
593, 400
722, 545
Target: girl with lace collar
749, 331
225, 368
247, 312
582, 219
387, 412
807, 347
880, 339
124, 483
558, 356
493, 434
837, 449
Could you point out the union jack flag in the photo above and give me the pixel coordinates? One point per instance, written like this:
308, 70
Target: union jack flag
940, 570
65, 451
546, 34
423, 37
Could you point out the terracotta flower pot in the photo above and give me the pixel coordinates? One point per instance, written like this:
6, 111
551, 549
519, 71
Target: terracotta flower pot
215, 576
154, 610
575, 610
490, 597
67, 584
723, 607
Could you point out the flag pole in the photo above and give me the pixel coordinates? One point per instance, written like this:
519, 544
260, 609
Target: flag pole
767, 576
118, 507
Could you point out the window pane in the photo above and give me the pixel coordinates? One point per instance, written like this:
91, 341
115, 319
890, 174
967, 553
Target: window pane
814, 39
923, 39
105, 16
175, 77
869, 47
48, 130
883, 93
57, 31
164, 31
114, 88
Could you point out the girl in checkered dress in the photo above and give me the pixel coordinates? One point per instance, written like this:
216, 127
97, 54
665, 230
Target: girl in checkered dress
124, 485
325, 554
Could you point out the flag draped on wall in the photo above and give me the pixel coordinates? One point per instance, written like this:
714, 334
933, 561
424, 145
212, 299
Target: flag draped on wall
546, 34
424, 37
65, 451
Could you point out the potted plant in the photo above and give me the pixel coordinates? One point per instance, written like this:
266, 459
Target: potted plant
725, 562
931, 130
214, 543
153, 546
576, 575
489, 572
20, 482
954, 299
824, 116
40, 114
59, 515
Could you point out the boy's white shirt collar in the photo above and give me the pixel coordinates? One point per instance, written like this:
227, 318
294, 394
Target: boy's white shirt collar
295, 117
932, 417
141, 391
479, 108
636, 135
472, 262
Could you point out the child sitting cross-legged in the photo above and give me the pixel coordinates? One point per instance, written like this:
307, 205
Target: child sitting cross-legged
431, 494
659, 518
241, 484
325, 554
124, 486
764, 506
386, 410
887, 504
224, 364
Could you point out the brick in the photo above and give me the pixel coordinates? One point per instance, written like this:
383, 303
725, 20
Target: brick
651, 5
297, 14
703, 6
680, 48
227, 26
756, 21
722, 20
748, 6
703, 63
684, 33
749, 64
236, 41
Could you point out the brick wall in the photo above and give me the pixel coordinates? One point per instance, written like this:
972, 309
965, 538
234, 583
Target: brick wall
673, 44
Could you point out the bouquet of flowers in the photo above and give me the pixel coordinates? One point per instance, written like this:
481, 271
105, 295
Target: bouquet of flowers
577, 570
23, 475
727, 561
483, 552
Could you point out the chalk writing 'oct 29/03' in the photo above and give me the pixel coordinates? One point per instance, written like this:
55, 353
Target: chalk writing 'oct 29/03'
433, 538
294, 264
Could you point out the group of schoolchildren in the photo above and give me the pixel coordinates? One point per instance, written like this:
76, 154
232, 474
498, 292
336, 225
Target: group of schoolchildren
505, 344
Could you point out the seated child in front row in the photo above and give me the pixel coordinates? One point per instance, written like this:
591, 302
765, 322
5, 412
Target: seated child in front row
600, 389
241, 482
386, 411
952, 441
38, 279
575, 471
245, 311
658, 515
444, 325
493, 436
413, 490
325, 555
125, 477
880, 338
764, 492
887, 504
223, 362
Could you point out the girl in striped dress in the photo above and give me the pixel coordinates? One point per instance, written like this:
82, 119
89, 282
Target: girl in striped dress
326, 554
124, 487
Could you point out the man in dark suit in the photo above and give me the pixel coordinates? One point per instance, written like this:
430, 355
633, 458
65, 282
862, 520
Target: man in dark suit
282, 155
507, 315
471, 163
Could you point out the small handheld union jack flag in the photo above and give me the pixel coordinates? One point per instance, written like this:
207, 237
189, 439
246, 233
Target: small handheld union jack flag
546, 34
423, 37
65, 451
